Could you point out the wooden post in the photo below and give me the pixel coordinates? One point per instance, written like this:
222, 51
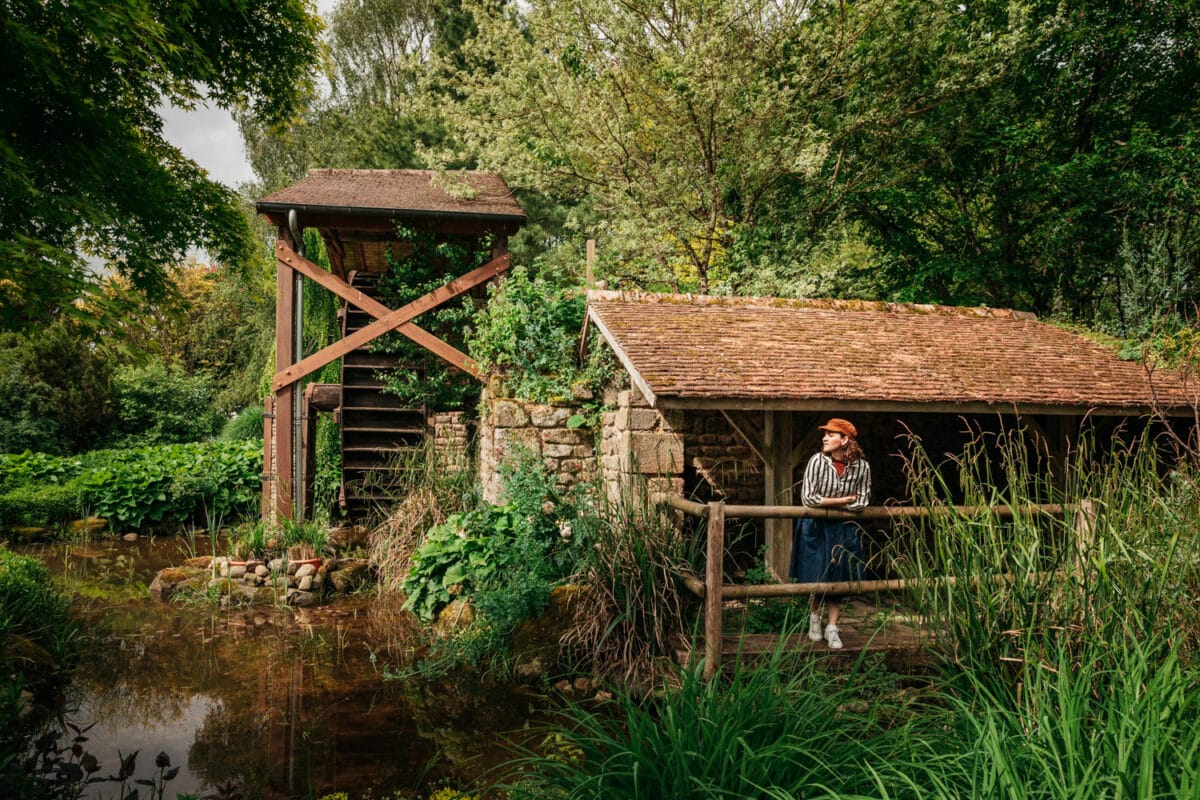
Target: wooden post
1085, 535
268, 473
285, 396
713, 580
777, 489
308, 446
591, 259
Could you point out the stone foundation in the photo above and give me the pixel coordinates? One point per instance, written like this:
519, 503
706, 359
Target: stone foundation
273, 582
569, 453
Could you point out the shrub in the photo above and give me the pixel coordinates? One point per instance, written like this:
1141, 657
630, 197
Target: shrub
29, 603
528, 334
22, 468
159, 404
246, 426
44, 504
173, 483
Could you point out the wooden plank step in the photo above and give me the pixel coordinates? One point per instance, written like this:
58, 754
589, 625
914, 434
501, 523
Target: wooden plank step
901, 647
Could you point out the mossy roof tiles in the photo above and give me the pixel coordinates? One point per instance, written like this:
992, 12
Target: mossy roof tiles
737, 352
400, 191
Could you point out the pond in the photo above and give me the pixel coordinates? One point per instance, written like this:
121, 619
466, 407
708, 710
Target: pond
282, 702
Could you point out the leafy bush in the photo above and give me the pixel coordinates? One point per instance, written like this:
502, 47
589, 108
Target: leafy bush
172, 483
504, 558
160, 404
21, 468
35, 504
528, 334
29, 603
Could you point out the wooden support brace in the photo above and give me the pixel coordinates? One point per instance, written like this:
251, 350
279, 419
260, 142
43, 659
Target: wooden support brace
386, 319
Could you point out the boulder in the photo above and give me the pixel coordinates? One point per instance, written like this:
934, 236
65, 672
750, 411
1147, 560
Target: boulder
306, 570
169, 581
456, 616
199, 562
28, 533
88, 526
536, 644
348, 538
350, 574
296, 597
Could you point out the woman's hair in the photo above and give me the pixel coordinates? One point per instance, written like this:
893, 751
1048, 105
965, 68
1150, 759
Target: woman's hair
851, 452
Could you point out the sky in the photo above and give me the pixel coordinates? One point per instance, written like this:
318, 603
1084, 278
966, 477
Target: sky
210, 137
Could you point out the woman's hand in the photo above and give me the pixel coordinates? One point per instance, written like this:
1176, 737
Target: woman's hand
837, 502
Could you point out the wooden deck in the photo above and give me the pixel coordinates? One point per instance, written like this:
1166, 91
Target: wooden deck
878, 631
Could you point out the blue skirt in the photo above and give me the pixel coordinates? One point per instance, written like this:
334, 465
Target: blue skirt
826, 551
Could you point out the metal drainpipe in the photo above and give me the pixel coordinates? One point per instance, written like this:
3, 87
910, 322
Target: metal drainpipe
297, 355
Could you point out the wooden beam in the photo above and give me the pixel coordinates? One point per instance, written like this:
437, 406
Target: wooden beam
828, 405
777, 488
284, 395
742, 426
713, 579
386, 319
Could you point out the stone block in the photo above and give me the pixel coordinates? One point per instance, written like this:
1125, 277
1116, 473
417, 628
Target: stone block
583, 451
571, 466
564, 436
549, 416
507, 414
643, 419
655, 453
558, 451
507, 439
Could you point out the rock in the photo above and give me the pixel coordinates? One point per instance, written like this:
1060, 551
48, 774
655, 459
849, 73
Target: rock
317, 582
275, 565
348, 537
26, 657
237, 572
305, 584
581, 684
351, 574
29, 533
563, 686
296, 597
88, 525
453, 618
262, 571
199, 562
549, 416
168, 582
131, 537
306, 570
535, 644
507, 414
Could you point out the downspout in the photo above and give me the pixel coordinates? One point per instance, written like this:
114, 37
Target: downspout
298, 489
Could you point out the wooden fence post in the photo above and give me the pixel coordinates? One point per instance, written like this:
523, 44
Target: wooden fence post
713, 580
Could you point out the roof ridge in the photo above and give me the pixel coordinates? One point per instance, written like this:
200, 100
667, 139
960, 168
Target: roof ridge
831, 304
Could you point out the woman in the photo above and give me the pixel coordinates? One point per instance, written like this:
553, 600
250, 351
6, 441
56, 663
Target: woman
825, 549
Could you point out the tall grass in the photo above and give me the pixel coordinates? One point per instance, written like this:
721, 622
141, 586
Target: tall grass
1068, 664
789, 729
635, 606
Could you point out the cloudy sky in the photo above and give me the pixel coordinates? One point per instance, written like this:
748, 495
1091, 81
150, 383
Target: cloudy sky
210, 137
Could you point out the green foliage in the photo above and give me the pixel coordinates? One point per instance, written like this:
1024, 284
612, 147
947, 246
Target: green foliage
783, 728
528, 335
246, 426
505, 559
172, 483
85, 166
160, 404
55, 391
327, 481
40, 504
22, 468
29, 603
422, 378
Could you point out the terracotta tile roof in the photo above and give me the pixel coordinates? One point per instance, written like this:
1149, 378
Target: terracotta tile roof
399, 190
684, 350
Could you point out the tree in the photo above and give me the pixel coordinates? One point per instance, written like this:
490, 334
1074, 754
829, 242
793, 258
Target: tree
1068, 186
84, 167
681, 122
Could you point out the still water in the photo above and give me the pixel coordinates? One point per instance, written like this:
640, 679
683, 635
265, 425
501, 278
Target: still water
282, 702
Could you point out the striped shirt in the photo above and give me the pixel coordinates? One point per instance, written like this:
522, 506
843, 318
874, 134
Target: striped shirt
821, 480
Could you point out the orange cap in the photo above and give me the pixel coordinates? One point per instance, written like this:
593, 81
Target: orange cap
840, 426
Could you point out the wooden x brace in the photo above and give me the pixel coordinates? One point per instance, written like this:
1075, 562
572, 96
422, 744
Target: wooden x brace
385, 318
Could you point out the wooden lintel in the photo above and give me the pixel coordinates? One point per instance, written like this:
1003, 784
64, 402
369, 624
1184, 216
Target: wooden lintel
387, 224
386, 319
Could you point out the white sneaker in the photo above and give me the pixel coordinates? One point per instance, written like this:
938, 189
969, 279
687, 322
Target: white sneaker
814, 627
832, 638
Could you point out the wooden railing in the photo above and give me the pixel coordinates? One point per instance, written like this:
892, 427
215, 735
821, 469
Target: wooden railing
714, 591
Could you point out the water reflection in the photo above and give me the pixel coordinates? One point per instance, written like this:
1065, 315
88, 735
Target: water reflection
283, 702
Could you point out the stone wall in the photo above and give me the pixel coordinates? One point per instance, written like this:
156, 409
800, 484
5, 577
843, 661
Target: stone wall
676, 451
506, 424
451, 436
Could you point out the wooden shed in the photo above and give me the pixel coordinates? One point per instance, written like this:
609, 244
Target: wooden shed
357, 213
768, 371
